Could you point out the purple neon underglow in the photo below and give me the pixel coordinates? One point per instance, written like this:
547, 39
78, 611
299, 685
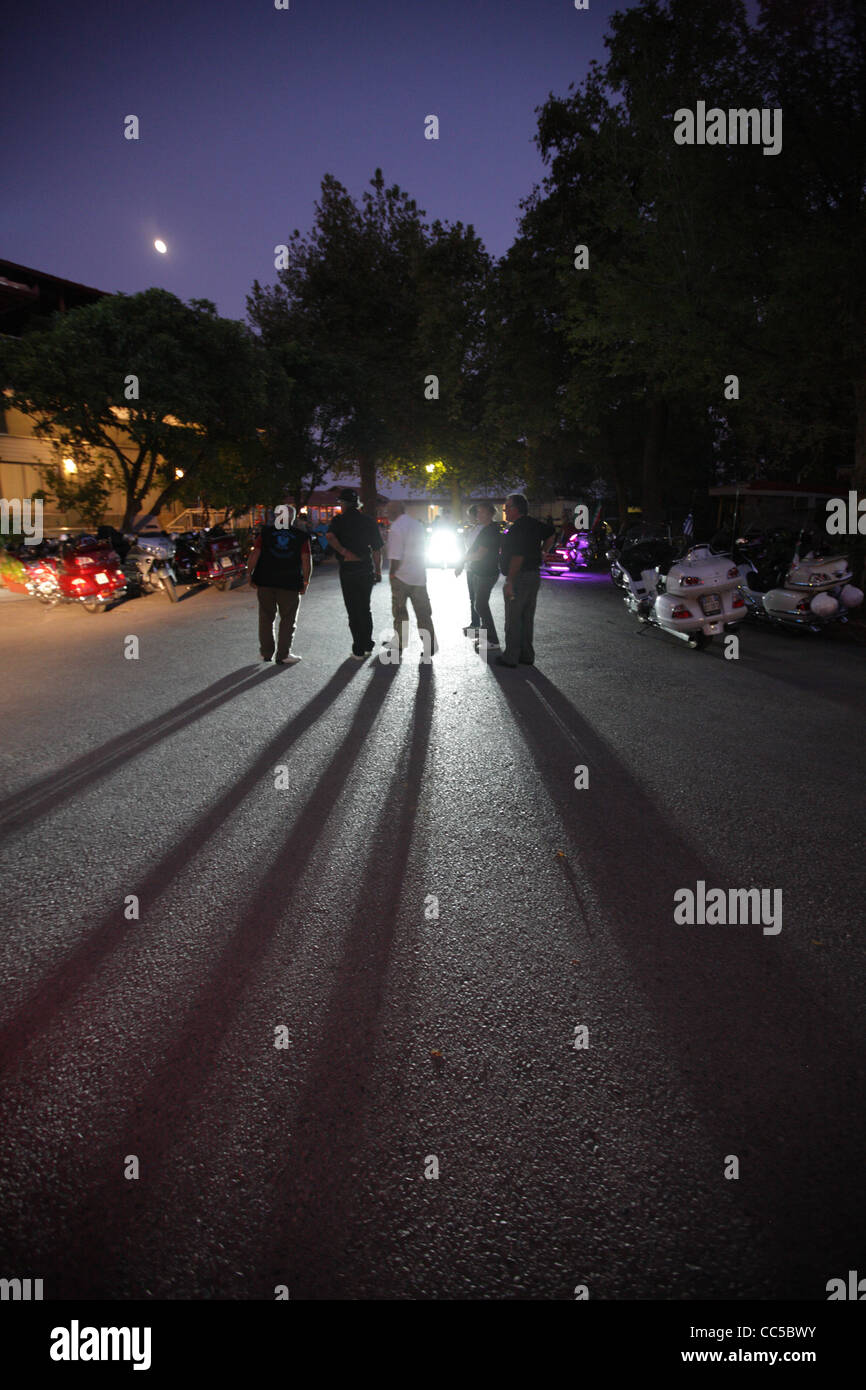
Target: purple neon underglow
576, 576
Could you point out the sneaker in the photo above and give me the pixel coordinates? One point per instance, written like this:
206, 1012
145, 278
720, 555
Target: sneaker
264, 658
358, 656
500, 661
469, 631
290, 660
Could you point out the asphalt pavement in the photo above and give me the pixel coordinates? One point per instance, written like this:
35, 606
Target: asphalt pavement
329, 977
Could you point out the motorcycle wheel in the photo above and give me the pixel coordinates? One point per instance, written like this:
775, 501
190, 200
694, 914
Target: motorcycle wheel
220, 584
698, 641
169, 587
93, 605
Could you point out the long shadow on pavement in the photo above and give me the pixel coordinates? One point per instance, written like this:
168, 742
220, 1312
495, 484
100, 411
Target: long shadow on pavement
308, 1229
56, 787
772, 1062
53, 992
94, 1262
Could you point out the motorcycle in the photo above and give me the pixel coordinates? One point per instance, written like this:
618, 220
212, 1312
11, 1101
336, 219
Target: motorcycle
572, 553
318, 548
221, 560
188, 557
85, 571
39, 563
796, 584
692, 595
148, 566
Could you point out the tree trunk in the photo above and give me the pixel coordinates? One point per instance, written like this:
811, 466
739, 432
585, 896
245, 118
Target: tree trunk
619, 484
653, 450
858, 477
456, 502
857, 550
367, 475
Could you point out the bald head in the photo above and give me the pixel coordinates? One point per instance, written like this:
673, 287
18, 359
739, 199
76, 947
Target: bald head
395, 509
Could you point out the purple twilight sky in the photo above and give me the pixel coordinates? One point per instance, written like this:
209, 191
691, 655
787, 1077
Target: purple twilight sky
244, 107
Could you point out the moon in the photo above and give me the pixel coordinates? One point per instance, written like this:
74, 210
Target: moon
160, 246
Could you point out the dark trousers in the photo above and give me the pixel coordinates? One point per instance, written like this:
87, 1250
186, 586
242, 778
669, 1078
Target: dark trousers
357, 589
483, 586
473, 609
520, 617
286, 603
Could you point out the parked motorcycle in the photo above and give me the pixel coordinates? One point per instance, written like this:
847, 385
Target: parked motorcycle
148, 566
40, 563
802, 583
572, 553
221, 560
694, 595
85, 571
188, 557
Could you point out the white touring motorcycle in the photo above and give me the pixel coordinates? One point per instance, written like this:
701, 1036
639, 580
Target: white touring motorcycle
810, 588
694, 596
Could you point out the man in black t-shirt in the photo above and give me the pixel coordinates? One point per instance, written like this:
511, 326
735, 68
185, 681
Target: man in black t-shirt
358, 545
482, 565
519, 561
280, 565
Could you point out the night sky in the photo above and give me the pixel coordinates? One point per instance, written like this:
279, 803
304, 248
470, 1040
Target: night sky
243, 108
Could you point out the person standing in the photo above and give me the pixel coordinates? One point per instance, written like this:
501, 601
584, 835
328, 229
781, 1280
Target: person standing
519, 562
469, 537
358, 545
482, 565
280, 565
407, 563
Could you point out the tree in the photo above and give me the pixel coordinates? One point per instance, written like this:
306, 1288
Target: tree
142, 391
450, 351
708, 263
349, 294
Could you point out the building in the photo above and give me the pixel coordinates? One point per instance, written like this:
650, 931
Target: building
28, 295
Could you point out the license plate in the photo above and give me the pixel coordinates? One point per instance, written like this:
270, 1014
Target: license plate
226, 561
102, 579
711, 603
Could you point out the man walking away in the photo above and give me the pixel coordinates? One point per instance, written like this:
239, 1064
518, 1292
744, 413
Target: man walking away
280, 565
407, 564
469, 537
482, 566
519, 561
358, 544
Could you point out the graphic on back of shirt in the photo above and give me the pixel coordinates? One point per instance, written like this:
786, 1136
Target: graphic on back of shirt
280, 543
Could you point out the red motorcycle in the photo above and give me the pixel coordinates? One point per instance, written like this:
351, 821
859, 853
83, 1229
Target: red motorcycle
88, 572
221, 559
39, 563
